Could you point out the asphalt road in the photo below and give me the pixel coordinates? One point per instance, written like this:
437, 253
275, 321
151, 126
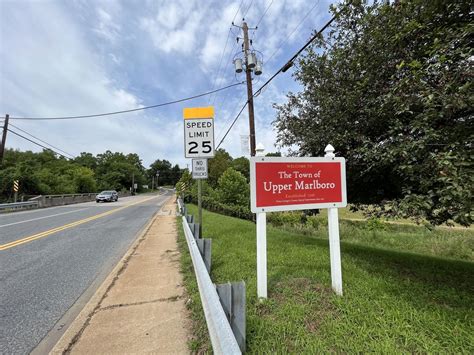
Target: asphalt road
51, 257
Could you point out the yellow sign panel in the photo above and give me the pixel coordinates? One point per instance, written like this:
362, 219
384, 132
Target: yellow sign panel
198, 112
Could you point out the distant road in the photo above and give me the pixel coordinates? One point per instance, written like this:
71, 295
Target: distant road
51, 257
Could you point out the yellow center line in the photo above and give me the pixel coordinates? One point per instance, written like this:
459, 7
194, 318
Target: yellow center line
66, 226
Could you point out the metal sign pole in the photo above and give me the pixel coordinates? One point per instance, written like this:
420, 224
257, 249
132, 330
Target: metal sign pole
200, 207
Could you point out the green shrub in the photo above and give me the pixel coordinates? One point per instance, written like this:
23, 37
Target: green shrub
233, 188
285, 218
316, 222
375, 224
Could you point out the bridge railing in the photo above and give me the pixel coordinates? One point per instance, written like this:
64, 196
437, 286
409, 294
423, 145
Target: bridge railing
6, 207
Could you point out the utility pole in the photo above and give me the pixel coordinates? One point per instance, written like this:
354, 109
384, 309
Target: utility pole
133, 183
4, 138
252, 66
248, 73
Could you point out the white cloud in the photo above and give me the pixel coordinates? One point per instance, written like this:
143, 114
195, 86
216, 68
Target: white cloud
83, 57
106, 26
175, 27
56, 73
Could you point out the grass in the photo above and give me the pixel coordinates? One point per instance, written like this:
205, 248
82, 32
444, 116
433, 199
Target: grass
393, 301
447, 242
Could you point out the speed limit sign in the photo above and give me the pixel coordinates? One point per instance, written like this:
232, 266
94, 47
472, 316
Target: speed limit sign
199, 132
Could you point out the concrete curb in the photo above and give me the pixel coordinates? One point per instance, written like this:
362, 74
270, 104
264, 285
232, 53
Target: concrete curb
73, 334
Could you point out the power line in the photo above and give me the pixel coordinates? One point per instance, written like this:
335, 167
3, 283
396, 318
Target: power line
248, 8
241, 2
232, 125
19, 135
126, 111
233, 111
22, 130
289, 63
220, 63
284, 68
264, 13
291, 33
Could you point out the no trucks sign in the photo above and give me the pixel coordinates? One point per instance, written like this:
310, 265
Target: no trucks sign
283, 184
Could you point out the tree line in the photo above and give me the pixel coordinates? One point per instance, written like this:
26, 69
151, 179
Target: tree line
390, 87
44, 173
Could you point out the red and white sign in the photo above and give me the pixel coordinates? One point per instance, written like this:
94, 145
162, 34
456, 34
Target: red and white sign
283, 184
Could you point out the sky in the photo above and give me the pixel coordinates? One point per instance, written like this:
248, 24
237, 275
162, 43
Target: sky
82, 57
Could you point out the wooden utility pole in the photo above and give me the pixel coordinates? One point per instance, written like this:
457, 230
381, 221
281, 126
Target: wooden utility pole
4, 138
248, 73
133, 183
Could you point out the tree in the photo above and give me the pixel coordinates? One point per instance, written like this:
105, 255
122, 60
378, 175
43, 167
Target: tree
46, 173
167, 175
116, 171
86, 159
242, 165
184, 185
391, 91
84, 180
217, 165
233, 188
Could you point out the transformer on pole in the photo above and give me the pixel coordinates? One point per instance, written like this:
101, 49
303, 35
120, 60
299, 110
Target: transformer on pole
251, 64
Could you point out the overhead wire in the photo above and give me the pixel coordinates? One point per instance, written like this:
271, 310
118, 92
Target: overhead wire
130, 110
264, 13
233, 111
284, 68
220, 63
248, 8
22, 130
292, 32
19, 135
241, 2
232, 125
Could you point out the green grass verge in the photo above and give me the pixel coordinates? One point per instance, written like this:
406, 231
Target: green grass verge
393, 301
200, 342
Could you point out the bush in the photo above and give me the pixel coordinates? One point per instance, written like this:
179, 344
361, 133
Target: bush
233, 188
374, 224
316, 222
285, 218
242, 212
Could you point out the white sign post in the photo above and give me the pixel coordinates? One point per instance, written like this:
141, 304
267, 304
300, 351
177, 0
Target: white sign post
261, 243
286, 184
334, 243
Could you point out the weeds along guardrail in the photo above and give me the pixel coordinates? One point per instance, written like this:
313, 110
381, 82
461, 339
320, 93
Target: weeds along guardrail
224, 305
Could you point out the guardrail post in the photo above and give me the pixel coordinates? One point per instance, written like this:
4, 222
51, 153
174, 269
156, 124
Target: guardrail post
195, 230
233, 299
190, 218
205, 247
221, 334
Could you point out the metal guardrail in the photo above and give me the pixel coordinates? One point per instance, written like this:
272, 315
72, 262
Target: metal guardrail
18, 205
222, 338
180, 206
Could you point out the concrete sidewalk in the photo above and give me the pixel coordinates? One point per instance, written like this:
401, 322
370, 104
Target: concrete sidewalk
140, 307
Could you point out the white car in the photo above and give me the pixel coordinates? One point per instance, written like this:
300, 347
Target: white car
107, 196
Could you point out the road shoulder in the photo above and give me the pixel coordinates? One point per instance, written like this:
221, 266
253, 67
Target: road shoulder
140, 307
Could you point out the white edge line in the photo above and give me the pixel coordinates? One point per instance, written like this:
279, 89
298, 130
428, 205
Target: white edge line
35, 219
